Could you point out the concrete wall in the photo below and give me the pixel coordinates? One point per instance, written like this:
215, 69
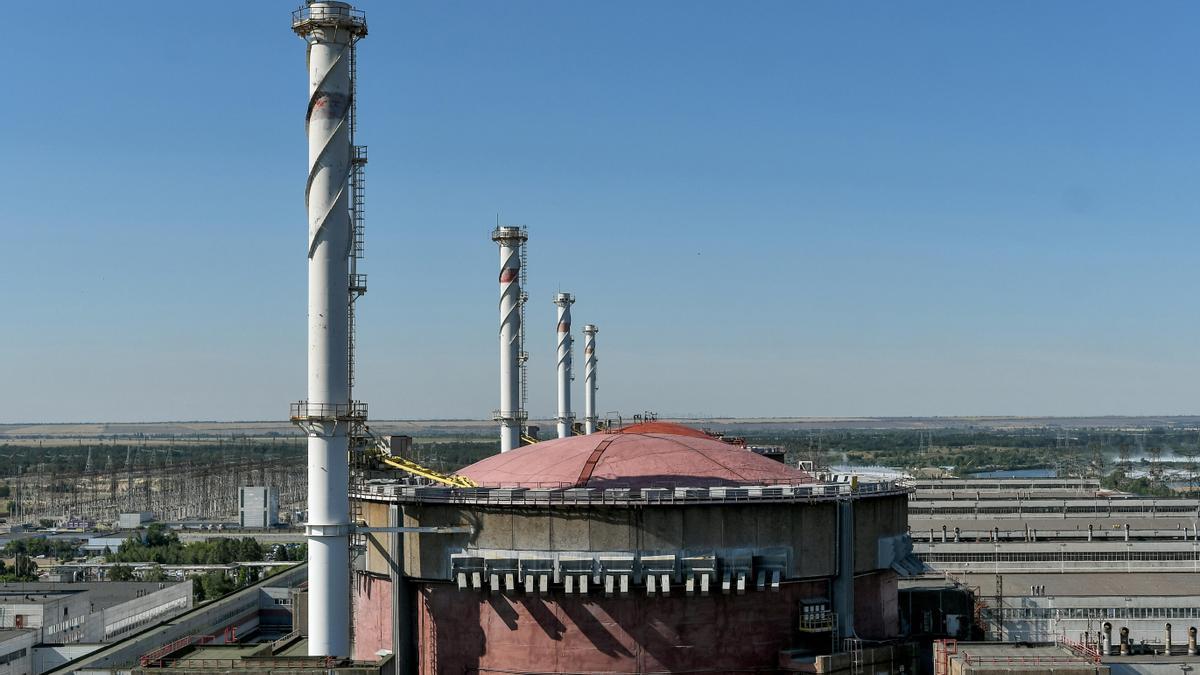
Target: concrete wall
151, 608
876, 606
885, 660
16, 654
60, 617
275, 609
874, 519
129, 521
808, 530
47, 657
258, 507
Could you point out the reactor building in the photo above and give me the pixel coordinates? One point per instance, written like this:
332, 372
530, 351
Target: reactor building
648, 548
651, 548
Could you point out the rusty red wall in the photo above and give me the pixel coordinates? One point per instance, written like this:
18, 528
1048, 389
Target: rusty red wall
469, 632
372, 607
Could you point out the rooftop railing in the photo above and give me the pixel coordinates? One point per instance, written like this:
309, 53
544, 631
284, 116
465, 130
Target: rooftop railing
327, 412
566, 495
328, 13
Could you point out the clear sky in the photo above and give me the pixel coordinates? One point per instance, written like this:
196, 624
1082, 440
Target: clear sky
769, 208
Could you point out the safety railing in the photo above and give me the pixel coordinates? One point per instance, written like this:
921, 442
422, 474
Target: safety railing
565, 495
327, 412
257, 662
156, 657
328, 13
1081, 649
1012, 660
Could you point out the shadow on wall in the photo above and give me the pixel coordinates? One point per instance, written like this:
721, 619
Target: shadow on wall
476, 632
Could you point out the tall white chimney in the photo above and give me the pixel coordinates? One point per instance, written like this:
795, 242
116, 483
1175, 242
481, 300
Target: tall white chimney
331, 30
510, 416
566, 418
589, 378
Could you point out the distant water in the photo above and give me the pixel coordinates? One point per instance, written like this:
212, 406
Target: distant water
884, 472
1016, 473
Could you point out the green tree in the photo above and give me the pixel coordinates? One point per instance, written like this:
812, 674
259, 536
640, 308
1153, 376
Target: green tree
155, 573
23, 569
160, 535
120, 573
246, 576
211, 585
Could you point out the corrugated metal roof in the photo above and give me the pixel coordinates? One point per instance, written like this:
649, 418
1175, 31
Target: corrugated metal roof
1086, 584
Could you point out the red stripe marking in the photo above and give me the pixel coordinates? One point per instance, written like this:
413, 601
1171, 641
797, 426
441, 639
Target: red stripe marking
509, 275
564, 327
590, 465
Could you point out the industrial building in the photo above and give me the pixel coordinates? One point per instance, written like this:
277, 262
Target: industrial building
1063, 561
45, 624
651, 548
1044, 607
262, 610
132, 521
638, 549
64, 613
1050, 525
258, 506
16, 651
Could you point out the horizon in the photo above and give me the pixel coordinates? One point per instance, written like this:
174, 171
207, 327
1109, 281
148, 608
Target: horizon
548, 421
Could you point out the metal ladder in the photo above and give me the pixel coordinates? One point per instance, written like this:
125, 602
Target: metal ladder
356, 287
522, 355
853, 646
833, 633
357, 282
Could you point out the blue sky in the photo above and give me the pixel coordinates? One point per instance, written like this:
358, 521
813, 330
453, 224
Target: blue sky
769, 208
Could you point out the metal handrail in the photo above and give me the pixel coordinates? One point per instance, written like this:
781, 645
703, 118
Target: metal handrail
566, 498
156, 656
326, 12
1017, 660
268, 661
304, 410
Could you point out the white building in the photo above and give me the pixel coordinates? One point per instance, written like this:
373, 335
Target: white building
132, 521
89, 612
1047, 606
258, 507
16, 651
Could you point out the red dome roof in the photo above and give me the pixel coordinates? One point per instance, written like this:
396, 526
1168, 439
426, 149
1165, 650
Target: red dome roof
632, 458
662, 428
